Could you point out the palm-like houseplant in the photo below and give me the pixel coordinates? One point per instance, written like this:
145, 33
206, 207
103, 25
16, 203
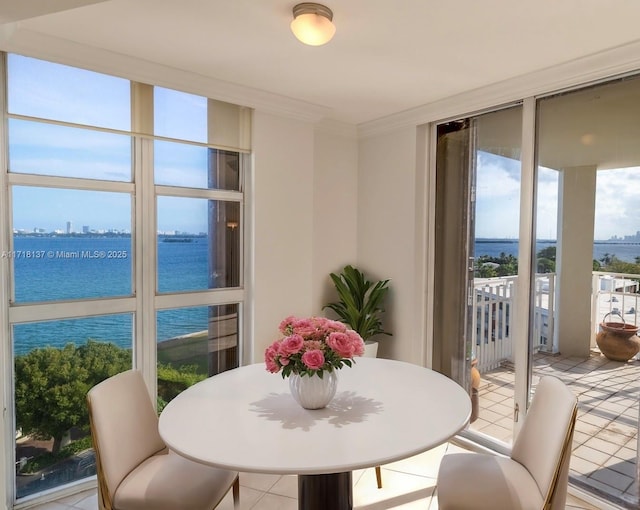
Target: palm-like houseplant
360, 304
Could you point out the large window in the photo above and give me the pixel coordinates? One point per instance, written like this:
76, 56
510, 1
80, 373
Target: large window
121, 235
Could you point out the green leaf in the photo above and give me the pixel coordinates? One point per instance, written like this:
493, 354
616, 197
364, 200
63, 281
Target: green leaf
360, 301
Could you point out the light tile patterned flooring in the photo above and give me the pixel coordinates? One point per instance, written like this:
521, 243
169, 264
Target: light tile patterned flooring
605, 441
408, 484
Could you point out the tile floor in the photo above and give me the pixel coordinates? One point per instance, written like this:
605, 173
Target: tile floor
407, 484
605, 445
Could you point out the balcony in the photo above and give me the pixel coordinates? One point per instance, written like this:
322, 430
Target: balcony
605, 448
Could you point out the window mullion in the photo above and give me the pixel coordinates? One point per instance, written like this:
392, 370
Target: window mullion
7, 425
145, 226
145, 263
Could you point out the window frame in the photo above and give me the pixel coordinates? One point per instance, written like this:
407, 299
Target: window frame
145, 300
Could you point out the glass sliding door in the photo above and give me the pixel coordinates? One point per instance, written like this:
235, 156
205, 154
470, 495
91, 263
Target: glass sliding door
588, 239
537, 246
478, 174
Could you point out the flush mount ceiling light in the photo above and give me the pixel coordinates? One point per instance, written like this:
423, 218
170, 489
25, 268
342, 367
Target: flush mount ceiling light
312, 23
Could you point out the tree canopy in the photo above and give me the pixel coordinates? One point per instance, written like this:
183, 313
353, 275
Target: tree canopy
51, 385
507, 265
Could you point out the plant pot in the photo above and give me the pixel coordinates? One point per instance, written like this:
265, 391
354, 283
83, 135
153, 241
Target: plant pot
311, 391
618, 340
370, 349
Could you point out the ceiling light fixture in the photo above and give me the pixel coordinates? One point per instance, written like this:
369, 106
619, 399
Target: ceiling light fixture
312, 23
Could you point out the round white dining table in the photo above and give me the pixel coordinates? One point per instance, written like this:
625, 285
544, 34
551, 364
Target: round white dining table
246, 420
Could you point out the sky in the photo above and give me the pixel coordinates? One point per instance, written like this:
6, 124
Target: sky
498, 200
85, 97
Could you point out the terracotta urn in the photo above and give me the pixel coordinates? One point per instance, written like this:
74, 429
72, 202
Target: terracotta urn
617, 340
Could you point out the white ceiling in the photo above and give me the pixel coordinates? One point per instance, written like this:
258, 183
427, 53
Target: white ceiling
386, 57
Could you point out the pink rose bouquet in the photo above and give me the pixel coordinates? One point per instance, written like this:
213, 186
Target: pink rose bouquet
312, 346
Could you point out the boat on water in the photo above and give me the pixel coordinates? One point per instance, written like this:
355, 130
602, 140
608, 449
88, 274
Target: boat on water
177, 240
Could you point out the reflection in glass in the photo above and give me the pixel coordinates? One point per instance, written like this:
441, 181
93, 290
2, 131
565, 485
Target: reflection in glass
65, 243
193, 166
198, 244
56, 362
478, 181
43, 89
194, 343
497, 218
49, 149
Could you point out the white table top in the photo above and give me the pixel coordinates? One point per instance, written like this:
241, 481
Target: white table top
246, 419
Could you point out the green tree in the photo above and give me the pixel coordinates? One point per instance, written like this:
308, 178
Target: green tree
546, 260
616, 265
51, 386
606, 259
489, 267
547, 253
172, 381
103, 360
485, 270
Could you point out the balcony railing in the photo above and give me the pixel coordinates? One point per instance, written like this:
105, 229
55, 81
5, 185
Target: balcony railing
494, 297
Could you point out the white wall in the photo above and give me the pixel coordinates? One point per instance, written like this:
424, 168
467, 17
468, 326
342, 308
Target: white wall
304, 189
391, 235
335, 209
283, 223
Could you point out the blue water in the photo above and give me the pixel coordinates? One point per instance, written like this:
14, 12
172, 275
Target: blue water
64, 268
494, 247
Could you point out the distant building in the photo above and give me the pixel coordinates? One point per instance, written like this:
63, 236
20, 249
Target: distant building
85, 229
69, 227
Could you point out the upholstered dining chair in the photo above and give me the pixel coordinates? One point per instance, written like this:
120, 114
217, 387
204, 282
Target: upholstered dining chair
536, 474
135, 469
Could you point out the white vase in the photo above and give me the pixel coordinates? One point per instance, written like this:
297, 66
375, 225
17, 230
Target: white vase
312, 392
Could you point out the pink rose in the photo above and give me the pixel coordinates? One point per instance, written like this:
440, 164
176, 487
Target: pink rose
310, 345
291, 345
286, 324
358, 343
342, 344
313, 359
334, 325
305, 328
270, 355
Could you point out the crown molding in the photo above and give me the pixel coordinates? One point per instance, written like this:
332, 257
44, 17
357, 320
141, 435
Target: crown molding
55, 49
337, 128
578, 72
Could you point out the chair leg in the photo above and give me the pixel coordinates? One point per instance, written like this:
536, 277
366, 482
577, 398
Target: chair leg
236, 493
379, 477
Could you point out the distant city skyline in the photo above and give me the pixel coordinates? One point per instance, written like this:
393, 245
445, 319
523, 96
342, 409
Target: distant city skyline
60, 231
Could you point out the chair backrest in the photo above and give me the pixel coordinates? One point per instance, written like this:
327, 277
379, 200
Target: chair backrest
544, 443
124, 428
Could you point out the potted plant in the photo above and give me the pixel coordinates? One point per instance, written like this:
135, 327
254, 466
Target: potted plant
360, 304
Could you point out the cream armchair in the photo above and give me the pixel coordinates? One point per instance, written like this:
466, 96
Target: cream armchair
535, 476
135, 469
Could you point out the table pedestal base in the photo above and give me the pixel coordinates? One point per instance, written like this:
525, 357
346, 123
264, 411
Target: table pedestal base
324, 492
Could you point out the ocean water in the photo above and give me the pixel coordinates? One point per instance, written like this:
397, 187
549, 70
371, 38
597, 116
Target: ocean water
55, 268
63, 268
494, 247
